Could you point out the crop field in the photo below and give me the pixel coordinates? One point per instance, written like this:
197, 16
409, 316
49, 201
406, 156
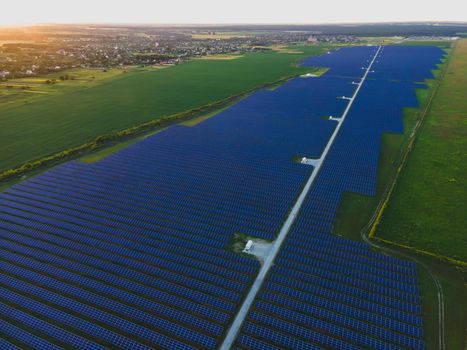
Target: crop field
440, 43
131, 250
32, 129
427, 209
23, 90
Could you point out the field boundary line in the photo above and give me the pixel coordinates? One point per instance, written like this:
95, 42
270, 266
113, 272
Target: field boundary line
455, 262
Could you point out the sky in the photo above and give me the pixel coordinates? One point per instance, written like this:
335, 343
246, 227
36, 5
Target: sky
19, 12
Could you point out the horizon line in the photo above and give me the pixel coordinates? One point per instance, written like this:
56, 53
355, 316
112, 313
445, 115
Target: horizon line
201, 24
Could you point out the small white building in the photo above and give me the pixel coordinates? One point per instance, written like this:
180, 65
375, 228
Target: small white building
248, 246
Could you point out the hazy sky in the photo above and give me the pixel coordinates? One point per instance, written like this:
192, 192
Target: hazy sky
232, 11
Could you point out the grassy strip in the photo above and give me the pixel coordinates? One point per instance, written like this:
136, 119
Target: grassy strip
442, 43
205, 116
104, 140
113, 148
426, 209
457, 263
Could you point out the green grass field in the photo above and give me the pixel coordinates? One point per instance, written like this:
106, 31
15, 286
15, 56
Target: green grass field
427, 208
355, 210
22, 90
442, 43
31, 129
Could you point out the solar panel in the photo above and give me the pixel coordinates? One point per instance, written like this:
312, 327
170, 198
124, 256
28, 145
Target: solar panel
131, 251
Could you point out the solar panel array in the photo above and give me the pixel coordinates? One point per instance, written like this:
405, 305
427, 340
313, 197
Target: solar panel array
130, 251
328, 292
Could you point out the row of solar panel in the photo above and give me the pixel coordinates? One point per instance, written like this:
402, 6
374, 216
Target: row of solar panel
323, 270
141, 234
152, 255
357, 271
181, 225
145, 229
318, 280
346, 304
23, 236
216, 203
103, 300
343, 288
184, 228
358, 250
160, 278
347, 328
320, 310
327, 249
147, 208
192, 192
149, 265
236, 263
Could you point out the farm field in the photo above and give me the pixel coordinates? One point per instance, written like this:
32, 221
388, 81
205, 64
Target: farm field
427, 208
26, 90
51, 123
441, 43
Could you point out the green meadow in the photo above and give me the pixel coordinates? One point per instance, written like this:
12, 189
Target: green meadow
427, 208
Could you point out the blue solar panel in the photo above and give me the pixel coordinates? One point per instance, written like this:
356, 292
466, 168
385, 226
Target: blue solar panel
284, 341
9, 330
248, 342
67, 319
334, 285
131, 251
